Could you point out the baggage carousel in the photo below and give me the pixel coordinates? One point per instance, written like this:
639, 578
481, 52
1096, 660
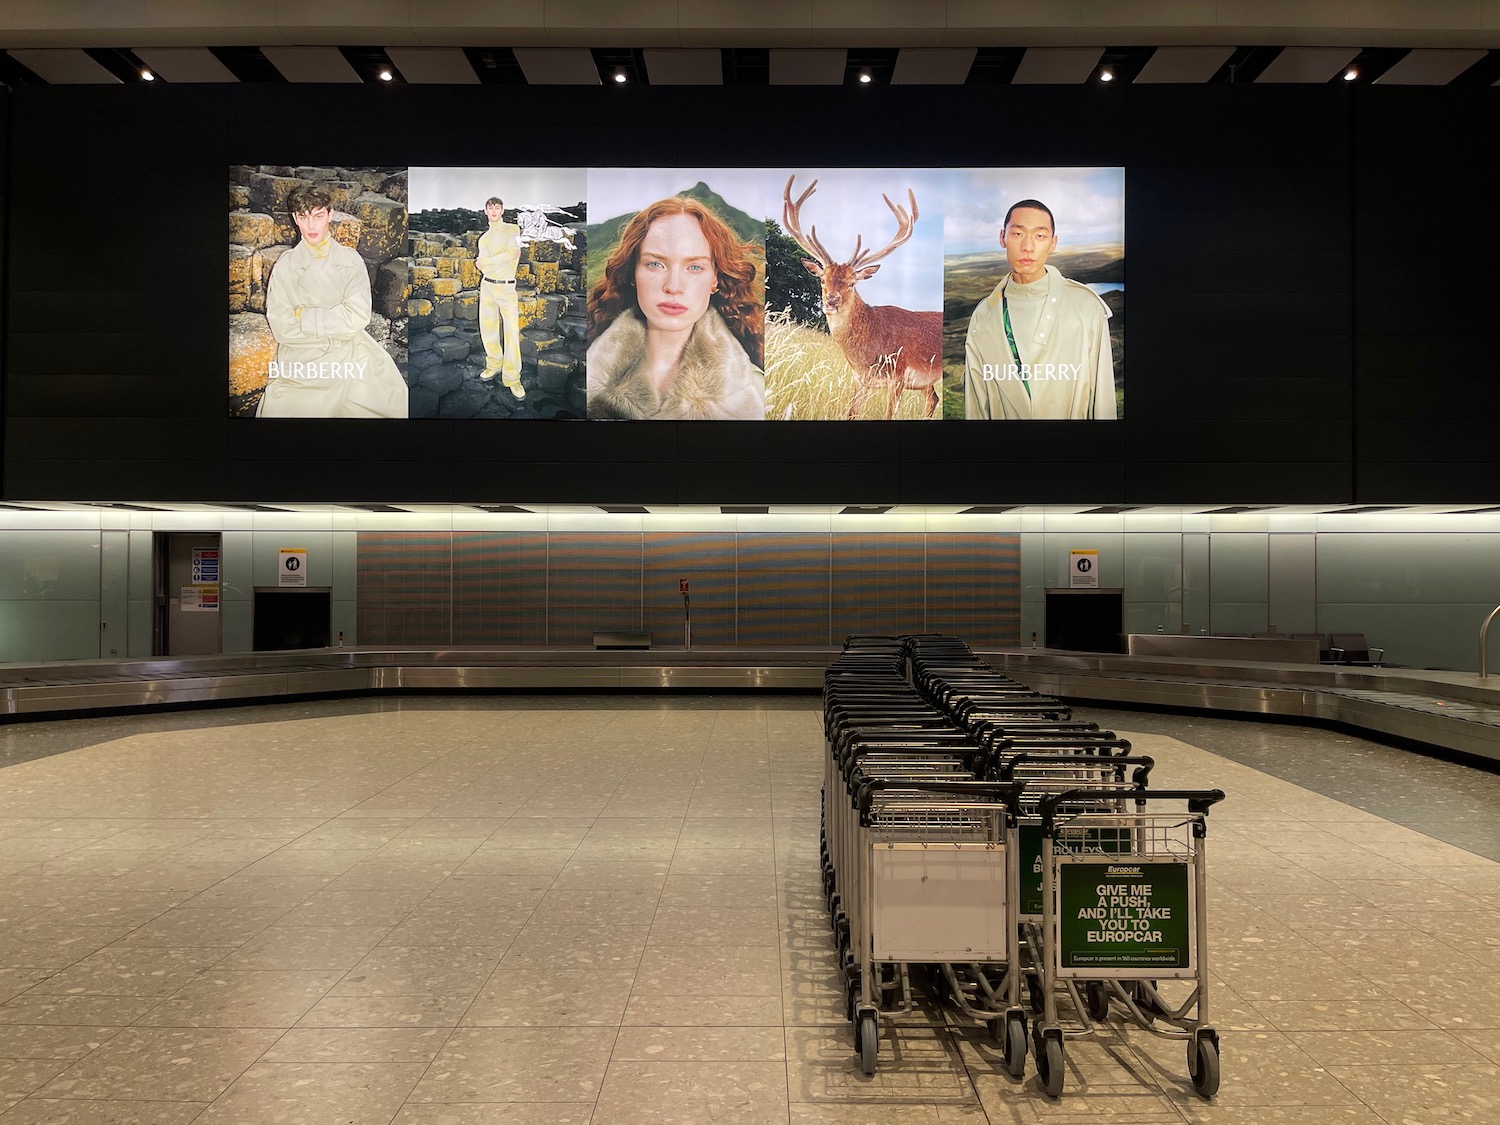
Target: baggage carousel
1454, 711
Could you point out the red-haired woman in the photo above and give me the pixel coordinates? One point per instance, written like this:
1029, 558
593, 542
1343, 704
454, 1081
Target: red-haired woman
675, 327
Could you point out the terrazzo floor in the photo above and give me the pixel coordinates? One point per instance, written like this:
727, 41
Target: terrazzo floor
607, 911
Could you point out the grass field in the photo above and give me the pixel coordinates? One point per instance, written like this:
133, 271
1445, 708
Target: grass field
808, 379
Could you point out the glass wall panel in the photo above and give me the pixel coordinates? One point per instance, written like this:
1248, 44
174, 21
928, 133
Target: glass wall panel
1239, 583
1292, 590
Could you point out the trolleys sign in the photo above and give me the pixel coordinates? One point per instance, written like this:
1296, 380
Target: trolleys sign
1124, 916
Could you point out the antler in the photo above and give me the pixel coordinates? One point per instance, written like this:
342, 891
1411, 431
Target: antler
789, 220
905, 224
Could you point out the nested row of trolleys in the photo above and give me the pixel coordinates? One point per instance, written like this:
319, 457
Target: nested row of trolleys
983, 848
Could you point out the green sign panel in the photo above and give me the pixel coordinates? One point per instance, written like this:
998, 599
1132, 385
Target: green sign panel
1124, 916
1029, 855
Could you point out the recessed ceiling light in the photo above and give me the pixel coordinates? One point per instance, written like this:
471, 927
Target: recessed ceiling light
1351, 74
1106, 75
619, 76
864, 76
147, 76
385, 75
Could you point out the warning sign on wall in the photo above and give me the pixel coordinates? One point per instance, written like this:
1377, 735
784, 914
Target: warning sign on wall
292, 569
1083, 570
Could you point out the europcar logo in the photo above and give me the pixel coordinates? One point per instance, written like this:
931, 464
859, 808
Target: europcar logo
1113, 870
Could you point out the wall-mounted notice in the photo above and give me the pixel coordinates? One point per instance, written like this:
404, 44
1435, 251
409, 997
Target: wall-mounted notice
1123, 916
291, 569
1083, 570
206, 565
202, 597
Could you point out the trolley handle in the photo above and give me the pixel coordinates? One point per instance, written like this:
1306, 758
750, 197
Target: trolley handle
1007, 793
1198, 800
1143, 764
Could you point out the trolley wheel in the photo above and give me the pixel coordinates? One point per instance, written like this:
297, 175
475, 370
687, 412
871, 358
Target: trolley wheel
1203, 1066
1015, 1044
1049, 1064
867, 1038
1096, 1000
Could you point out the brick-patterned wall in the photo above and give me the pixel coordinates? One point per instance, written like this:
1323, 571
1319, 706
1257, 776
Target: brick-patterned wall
749, 589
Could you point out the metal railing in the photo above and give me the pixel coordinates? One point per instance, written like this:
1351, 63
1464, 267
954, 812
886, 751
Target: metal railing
1484, 634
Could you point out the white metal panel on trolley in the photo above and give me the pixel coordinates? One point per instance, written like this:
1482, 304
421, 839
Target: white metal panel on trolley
938, 902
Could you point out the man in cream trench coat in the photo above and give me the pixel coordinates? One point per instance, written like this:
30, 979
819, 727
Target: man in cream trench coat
498, 256
1038, 346
318, 308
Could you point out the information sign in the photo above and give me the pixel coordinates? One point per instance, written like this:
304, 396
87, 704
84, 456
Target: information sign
292, 570
1083, 570
1123, 917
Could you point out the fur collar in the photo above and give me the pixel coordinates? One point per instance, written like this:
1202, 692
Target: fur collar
715, 379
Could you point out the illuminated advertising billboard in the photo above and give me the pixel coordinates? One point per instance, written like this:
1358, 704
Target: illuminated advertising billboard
685, 294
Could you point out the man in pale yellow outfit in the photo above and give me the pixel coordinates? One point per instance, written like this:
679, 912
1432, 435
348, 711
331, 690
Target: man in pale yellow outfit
499, 254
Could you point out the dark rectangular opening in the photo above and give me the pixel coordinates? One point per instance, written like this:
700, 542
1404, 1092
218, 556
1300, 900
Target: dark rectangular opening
293, 618
1086, 620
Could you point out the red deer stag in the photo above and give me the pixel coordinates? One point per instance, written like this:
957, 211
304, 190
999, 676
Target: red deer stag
885, 345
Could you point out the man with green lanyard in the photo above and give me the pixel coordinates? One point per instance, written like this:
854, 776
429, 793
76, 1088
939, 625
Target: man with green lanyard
1038, 346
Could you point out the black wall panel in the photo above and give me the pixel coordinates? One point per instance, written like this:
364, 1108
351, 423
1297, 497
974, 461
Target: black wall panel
1427, 226
1277, 345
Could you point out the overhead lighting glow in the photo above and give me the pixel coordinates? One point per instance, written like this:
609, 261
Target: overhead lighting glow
1106, 75
147, 76
864, 76
1351, 74
385, 75
619, 76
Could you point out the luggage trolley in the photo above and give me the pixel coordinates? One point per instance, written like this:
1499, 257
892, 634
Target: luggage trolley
1090, 766
937, 886
845, 858
870, 756
1124, 906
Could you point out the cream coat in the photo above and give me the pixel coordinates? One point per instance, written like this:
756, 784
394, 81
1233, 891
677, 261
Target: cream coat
715, 380
498, 256
334, 296
1071, 334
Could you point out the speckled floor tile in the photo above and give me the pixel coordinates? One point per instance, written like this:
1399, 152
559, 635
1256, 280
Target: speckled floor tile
20, 1077
183, 926
1449, 1000
493, 1113
20, 1041
918, 1063
314, 1093
352, 840
248, 998
163, 1064
50, 1111
551, 998
1409, 1095
654, 1010
358, 1045
305, 947
700, 1044
518, 1064
419, 970
127, 970
77, 1011
1258, 1068
384, 1011
1335, 1015
688, 1093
